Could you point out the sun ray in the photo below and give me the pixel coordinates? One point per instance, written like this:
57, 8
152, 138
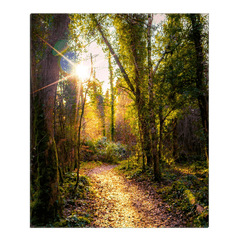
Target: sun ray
82, 69
57, 51
59, 80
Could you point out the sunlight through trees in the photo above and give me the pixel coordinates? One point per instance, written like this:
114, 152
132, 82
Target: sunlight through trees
128, 89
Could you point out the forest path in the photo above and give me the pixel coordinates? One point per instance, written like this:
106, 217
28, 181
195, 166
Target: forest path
123, 203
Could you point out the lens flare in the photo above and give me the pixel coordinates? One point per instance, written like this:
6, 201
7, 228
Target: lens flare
68, 62
61, 47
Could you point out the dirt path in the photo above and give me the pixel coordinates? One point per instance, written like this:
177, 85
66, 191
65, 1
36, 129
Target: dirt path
121, 203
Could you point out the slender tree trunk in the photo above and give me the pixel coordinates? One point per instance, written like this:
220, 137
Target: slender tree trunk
174, 139
78, 157
112, 97
83, 101
160, 133
79, 140
154, 142
142, 147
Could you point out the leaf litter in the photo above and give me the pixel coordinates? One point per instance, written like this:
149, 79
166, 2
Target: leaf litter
123, 203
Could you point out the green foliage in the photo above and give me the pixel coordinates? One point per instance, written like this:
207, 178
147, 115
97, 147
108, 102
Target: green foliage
68, 187
91, 164
169, 175
132, 169
73, 221
91, 146
179, 196
113, 152
105, 151
202, 219
202, 196
69, 200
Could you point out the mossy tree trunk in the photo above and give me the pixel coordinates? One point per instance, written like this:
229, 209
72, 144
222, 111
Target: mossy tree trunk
152, 120
47, 207
202, 96
144, 126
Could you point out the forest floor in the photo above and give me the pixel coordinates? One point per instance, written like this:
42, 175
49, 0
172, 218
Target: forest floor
119, 202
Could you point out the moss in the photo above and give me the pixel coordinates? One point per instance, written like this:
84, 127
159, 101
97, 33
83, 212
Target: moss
179, 196
201, 220
47, 205
67, 190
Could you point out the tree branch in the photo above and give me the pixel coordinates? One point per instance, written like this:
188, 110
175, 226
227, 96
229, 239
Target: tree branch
125, 88
114, 55
149, 48
155, 69
168, 113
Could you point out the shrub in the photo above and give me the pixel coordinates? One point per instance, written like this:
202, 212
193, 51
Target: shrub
110, 152
104, 150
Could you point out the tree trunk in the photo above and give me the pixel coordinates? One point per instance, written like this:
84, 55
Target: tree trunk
160, 134
47, 207
33, 104
154, 142
79, 137
144, 126
142, 147
112, 98
174, 139
202, 101
83, 101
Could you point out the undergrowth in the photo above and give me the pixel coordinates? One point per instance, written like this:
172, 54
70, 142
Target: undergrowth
72, 221
95, 153
105, 151
71, 199
68, 187
184, 187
